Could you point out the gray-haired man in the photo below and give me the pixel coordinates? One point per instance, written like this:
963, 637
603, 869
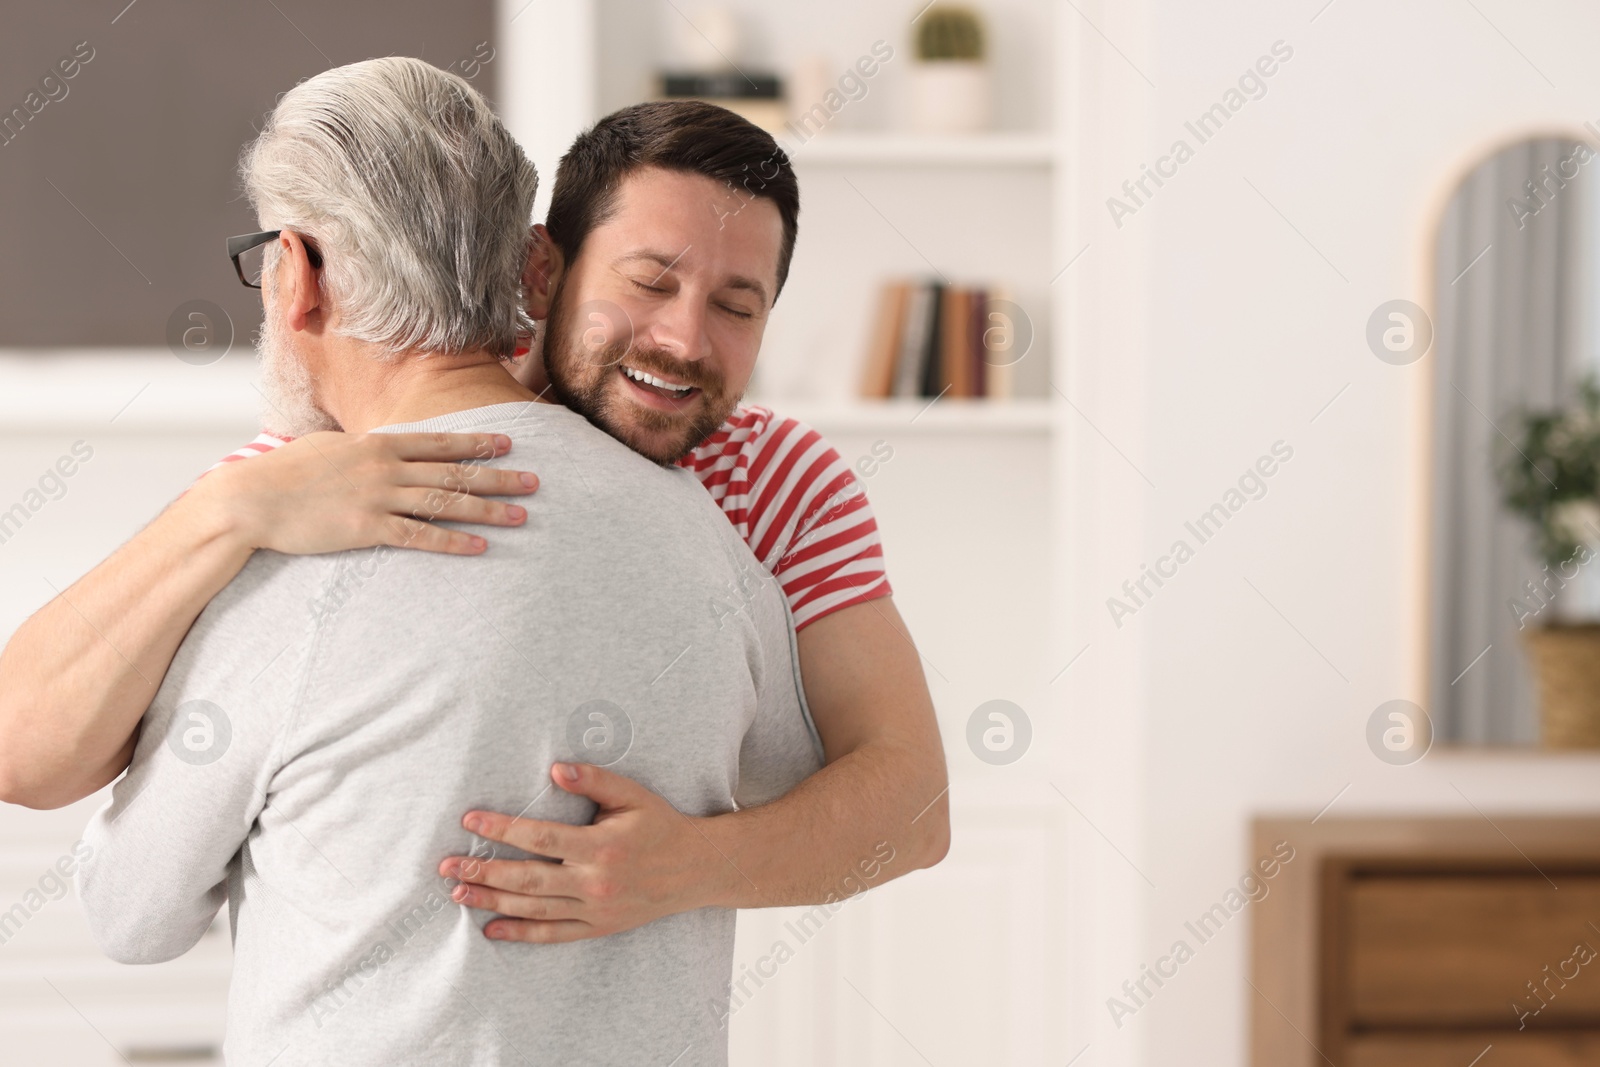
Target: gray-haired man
327, 716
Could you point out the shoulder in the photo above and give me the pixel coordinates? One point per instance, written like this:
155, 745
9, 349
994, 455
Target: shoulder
749, 429
761, 444
799, 506
271, 590
772, 463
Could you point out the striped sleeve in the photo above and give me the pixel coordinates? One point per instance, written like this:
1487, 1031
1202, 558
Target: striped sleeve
800, 508
265, 442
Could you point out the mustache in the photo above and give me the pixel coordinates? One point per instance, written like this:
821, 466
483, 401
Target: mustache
657, 362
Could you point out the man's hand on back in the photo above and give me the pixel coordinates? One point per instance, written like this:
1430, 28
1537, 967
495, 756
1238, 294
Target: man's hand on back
639, 860
884, 785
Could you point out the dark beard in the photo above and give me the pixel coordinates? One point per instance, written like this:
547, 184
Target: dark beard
580, 377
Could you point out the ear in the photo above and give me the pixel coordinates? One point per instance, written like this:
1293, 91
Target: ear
542, 271
296, 282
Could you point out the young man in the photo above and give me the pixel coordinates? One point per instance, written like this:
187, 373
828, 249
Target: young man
326, 714
75, 679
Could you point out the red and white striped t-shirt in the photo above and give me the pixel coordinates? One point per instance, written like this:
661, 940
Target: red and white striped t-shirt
792, 498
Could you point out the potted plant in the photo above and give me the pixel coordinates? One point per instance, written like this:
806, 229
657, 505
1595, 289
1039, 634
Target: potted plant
950, 84
1552, 479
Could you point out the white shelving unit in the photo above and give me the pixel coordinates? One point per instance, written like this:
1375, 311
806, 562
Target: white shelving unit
902, 150
963, 962
965, 504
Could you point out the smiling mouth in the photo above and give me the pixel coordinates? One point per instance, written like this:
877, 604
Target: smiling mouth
659, 386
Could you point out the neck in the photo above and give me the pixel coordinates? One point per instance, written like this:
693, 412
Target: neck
416, 386
530, 369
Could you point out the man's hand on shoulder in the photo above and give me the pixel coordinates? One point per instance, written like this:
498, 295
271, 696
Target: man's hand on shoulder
330, 491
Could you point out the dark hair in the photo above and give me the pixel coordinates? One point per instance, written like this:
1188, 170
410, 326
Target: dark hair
683, 135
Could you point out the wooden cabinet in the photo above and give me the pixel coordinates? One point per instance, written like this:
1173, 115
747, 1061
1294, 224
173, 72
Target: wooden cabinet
1430, 941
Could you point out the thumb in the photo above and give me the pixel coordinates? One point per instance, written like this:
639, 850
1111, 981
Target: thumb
610, 791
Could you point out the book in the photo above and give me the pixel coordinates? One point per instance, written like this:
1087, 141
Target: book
979, 308
930, 340
933, 344
757, 98
878, 368
913, 342
955, 336
720, 84
999, 346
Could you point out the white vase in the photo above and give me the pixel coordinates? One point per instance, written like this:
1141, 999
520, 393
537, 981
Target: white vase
950, 96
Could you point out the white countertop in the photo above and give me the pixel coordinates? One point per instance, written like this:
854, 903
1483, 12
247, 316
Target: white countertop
131, 390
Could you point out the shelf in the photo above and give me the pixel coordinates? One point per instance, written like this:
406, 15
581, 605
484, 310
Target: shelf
905, 149
141, 391
1023, 416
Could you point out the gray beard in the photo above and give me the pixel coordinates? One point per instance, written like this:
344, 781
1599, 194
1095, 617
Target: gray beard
289, 403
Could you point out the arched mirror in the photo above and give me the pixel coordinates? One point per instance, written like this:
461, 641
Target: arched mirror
1514, 654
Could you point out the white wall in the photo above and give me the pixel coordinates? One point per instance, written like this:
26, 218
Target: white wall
1206, 328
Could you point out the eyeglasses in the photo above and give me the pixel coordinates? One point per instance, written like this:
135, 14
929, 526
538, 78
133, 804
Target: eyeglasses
248, 252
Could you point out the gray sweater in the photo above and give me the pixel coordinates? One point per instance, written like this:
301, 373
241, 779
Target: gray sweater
330, 719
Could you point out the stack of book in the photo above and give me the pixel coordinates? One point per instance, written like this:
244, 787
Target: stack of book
757, 98
936, 340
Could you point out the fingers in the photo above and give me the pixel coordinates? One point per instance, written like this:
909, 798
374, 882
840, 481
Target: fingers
421, 455
402, 532
447, 446
526, 877
432, 505
517, 905
610, 790
539, 933
412, 523
554, 839
470, 478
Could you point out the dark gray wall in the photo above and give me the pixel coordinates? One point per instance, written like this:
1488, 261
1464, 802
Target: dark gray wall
116, 197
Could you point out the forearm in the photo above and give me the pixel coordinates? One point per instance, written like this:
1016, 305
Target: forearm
78, 675
872, 815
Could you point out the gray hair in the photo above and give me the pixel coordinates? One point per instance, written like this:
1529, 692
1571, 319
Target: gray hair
417, 197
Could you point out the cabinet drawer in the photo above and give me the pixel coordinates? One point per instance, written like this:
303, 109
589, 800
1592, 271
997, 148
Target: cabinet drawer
1521, 1050
1428, 950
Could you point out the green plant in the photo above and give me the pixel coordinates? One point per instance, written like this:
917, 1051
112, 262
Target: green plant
949, 31
1551, 476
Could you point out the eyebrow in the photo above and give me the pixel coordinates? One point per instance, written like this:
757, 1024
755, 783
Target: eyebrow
666, 263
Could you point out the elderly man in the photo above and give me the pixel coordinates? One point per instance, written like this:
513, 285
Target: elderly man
327, 714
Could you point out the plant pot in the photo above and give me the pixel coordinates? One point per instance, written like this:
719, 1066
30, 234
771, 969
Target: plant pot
950, 96
1566, 664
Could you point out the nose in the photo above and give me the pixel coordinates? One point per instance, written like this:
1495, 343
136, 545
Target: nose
679, 327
